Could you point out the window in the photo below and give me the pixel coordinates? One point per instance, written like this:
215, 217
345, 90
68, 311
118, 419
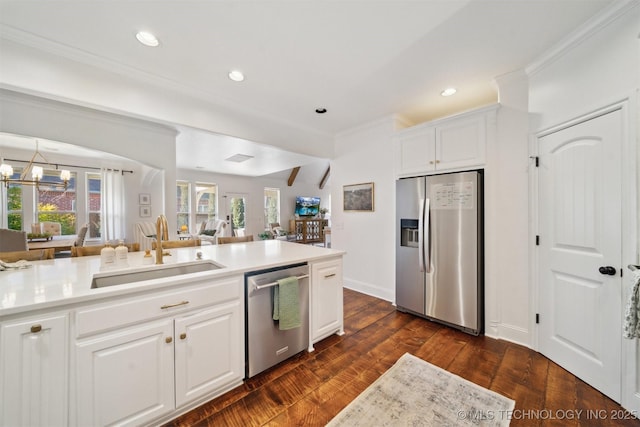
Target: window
206, 202
14, 205
56, 204
271, 206
94, 188
237, 213
183, 194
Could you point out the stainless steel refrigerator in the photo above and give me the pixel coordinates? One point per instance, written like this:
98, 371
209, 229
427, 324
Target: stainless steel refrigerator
439, 249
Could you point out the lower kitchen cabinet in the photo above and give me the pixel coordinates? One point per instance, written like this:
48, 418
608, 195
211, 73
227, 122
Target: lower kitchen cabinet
126, 377
144, 372
326, 299
208, 351
34, 374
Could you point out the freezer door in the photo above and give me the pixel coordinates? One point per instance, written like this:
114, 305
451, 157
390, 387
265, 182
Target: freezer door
453, 292
409, 278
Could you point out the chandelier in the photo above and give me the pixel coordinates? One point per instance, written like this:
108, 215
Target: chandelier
37, 172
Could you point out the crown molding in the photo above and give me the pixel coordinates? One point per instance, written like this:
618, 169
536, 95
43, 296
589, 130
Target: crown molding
582, 33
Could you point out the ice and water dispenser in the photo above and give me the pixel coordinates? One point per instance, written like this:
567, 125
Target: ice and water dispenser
409, 233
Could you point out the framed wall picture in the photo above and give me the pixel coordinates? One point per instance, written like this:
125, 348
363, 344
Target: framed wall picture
358, 197
145, 211
144, 199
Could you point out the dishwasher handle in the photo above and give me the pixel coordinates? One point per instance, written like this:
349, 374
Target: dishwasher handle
272, 284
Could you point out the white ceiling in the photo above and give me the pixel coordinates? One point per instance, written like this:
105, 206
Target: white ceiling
361, 60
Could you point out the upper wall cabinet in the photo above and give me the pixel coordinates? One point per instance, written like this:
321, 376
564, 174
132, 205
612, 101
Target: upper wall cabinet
454, 143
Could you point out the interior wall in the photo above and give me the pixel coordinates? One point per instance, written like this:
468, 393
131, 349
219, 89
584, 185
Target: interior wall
254, 187
365, 155
507, 294
149, 144
602, 69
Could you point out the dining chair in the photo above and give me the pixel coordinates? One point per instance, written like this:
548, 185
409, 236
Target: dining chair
171, 244
235, 239
13, 240
51, 227
34, 255
82, 234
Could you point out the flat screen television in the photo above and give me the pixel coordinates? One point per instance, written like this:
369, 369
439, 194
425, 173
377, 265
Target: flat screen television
307, 206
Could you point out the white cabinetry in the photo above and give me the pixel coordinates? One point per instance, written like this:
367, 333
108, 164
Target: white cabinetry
141, 358
34, 359
209, 353
450, 144
326, 299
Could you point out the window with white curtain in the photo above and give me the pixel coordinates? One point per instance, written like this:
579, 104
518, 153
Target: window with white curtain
112, 205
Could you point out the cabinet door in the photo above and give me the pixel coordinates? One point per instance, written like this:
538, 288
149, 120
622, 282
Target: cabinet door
34, 359
326, 299
209, 351
461, 143
416, 151
126, 377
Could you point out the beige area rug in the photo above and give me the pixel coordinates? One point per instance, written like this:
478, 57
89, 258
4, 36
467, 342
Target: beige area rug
416, 393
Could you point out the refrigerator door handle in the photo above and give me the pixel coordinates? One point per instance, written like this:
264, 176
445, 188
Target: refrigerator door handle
423, 237
427, 234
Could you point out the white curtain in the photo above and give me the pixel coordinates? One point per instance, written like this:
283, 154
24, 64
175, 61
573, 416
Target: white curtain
112, 204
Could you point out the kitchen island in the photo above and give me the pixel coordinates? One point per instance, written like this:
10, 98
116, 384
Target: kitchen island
143, 352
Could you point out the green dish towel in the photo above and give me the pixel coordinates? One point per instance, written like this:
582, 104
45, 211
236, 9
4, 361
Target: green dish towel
286, 308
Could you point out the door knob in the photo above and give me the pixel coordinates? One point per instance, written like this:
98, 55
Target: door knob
611, 271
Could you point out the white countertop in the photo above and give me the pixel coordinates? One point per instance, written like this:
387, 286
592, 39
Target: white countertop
64, 281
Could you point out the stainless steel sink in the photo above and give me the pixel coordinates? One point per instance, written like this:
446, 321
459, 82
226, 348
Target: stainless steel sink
101, 280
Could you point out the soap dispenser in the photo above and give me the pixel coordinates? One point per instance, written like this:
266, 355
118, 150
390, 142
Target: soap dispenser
107, 257
122, 254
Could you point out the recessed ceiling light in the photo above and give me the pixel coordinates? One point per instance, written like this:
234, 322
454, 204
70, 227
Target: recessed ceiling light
321, 110
147, 39
448, 91
236, 76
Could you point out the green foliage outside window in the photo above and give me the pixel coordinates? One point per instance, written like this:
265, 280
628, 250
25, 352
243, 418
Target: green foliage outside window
49, 212
237, 212
14, 205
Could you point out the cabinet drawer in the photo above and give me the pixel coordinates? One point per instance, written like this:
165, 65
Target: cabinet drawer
121, 312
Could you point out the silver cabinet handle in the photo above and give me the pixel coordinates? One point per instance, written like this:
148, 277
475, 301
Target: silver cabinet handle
174, 305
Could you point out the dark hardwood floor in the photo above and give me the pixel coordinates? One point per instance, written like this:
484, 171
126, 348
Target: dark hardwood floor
311, 388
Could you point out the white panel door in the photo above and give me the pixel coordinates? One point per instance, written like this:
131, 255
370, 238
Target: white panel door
580, 234
208, 351
416, 151
461, 143
126, 377
33, 377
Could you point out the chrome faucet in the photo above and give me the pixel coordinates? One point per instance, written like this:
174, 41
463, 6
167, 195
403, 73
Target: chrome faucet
162, 232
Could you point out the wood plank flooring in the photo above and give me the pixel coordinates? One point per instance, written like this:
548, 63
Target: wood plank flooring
311, 388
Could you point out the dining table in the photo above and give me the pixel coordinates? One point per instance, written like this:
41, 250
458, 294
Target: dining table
58, 245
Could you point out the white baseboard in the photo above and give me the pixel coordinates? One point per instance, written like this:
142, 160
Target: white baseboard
370, 289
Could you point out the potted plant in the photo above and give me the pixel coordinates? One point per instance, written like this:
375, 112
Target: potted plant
265, 235
323, 212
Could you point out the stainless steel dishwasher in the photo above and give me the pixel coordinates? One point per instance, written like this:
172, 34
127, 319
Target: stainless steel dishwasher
266, 345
